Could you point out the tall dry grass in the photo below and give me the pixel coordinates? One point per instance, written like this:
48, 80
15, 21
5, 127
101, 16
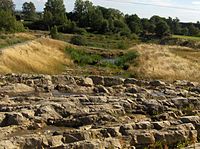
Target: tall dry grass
39, 56
167, 62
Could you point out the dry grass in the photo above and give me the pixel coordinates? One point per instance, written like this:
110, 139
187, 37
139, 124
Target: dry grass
25, 35
167, 62
44, 56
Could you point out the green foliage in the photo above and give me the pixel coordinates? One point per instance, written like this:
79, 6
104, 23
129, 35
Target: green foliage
122, 45
162, 29
54, 32
82, 58
78, 40
193, 31
134, 23
71, 27
29, 11
124, 60
8, 22
54, 13
7, 5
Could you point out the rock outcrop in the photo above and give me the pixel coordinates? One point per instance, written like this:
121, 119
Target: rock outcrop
96, 112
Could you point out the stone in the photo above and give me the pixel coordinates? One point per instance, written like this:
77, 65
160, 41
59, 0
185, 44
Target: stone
76, 136
160, 125
143, 139
112, 81
16, 89
101, 89
126, 129
97, 80
84, 82
157, 83
144, 125
180, 102
130, 81
13, 119
190, 119
55, 141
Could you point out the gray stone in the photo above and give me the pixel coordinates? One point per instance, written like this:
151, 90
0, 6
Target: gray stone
160, 125
112, 81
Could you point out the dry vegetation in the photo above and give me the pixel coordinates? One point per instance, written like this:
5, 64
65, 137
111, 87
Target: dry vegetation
167, 62
38, 56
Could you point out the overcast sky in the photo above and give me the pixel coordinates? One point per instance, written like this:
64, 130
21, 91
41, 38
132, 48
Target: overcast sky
142, 10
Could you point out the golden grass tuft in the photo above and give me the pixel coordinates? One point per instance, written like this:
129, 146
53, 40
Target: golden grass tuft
43, 55
167, 63
25, 35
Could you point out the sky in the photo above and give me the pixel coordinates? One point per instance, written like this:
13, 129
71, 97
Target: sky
144, 11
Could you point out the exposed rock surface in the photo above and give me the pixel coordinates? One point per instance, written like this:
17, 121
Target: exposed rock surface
96, 112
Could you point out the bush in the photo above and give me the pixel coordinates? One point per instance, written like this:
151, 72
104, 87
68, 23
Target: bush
78, 40
80, 31
54, 32
9, 23
134, 36
82, 58
122, 45
124, 60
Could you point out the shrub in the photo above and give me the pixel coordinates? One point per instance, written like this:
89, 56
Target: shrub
82, 58
124, 60
9, 23
134, 36
80, 31
54, 32
122, 45
78, 40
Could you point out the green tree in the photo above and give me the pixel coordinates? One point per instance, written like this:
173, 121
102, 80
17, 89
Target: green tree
192, 30
134, 23
7, 5
184, 31
162, 29
29, 11
55, 9
156, 19
8, 22
84, 10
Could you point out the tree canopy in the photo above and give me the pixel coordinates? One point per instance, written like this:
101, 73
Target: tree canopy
7, 5
29, 11
54, 12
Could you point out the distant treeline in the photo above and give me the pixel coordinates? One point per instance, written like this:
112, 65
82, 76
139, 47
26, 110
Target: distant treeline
96, 19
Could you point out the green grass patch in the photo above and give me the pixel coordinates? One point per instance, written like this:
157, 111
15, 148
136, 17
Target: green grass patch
101, 41
125, 60
186, 37
82, 58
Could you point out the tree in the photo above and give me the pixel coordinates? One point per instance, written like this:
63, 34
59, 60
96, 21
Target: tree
193, 31
162, 29
84, 10
184, 31
28, 10
55, 9
7, 5
8, 22
134, 23
156, 19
